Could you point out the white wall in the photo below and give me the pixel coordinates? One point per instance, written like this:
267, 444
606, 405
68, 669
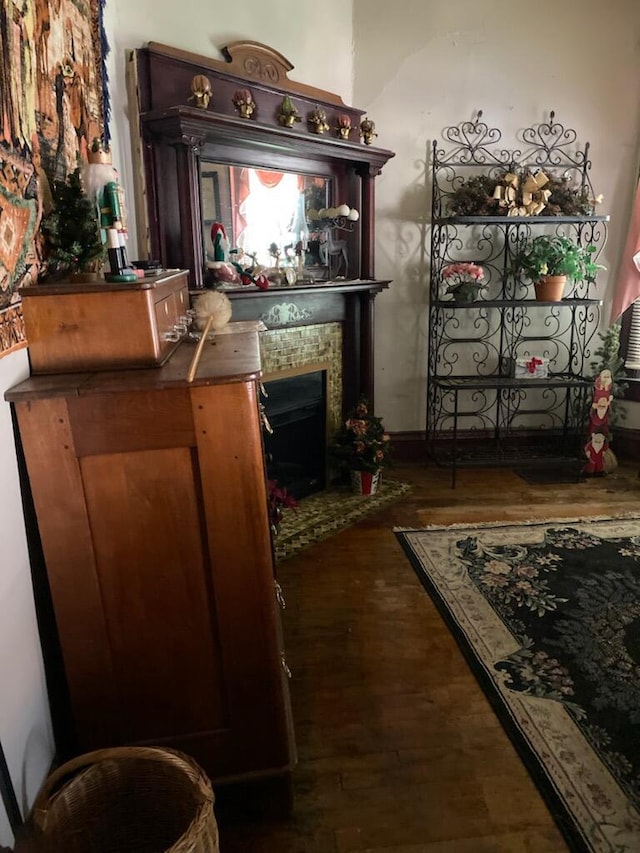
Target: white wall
420, 66
25, 727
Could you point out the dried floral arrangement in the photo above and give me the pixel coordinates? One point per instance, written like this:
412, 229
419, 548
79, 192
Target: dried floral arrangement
520, 194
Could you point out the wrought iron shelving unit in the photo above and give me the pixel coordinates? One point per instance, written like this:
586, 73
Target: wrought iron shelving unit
477, 413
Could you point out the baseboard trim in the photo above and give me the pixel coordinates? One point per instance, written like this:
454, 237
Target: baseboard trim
411, 446
626, 443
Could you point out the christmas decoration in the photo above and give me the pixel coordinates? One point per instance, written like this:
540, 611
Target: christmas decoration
362, 444
102, 186
71, 230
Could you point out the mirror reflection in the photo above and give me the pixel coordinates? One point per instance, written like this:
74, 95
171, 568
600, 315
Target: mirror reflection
264, 219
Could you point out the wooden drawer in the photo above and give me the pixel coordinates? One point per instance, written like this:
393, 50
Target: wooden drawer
76, 327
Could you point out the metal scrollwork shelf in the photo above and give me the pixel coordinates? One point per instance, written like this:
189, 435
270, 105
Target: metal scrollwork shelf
478, 413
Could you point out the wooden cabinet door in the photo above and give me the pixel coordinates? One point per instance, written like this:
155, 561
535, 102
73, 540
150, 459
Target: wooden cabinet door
152, 511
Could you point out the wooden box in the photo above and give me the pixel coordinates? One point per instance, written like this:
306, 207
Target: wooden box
104, 326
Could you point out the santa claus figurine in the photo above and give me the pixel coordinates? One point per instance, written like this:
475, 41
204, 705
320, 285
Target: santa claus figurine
220, 242
594, 450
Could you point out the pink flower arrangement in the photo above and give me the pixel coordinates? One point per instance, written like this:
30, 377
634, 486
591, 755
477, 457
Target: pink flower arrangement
462, 272
463, 277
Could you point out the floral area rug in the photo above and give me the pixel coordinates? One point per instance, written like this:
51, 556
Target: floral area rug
323, 514
548, 616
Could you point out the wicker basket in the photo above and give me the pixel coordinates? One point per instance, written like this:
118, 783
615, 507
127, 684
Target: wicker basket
126, 800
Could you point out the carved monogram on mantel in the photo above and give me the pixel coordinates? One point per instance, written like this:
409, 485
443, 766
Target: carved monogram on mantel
284, 314
258, 61
261, 70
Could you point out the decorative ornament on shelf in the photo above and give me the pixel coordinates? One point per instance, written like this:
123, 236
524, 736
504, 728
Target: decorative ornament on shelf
342, 217
520, 192
103, 188
522, 198
201, 91
244, 103
288, 114
464, 281
343, 126
318, 120
221, 245
239, 268
367, 131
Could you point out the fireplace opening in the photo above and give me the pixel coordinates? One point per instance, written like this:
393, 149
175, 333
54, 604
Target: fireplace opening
296, 450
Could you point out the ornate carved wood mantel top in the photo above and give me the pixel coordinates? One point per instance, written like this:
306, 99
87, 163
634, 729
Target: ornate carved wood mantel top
244, 111
251, 60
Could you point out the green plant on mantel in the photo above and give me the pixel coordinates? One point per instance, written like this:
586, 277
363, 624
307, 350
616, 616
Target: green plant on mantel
552, 254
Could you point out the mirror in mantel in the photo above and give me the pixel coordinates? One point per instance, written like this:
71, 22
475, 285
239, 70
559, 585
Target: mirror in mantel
270, 220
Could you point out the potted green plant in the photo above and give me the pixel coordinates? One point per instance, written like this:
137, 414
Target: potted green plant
362, 448
550, 259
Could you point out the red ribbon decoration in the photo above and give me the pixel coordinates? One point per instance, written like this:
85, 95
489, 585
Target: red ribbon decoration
531, 365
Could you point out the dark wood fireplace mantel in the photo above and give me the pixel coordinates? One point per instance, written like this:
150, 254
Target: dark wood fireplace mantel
178, 136
350, 303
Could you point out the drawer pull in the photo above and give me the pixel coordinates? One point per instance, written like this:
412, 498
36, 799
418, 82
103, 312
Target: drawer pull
172, 336
280, 595
265, 421
286, 669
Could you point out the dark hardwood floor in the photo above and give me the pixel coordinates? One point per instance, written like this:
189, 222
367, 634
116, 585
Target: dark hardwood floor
399, 751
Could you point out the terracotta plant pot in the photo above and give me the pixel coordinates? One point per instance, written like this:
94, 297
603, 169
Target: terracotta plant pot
550, 288
365, 482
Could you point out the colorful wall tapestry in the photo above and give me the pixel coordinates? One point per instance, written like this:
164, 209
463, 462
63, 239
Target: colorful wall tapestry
51, 108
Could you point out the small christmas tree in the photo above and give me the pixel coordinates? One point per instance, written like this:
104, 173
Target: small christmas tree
71, 230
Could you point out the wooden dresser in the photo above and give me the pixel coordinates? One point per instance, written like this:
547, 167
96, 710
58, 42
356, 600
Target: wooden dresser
150, 497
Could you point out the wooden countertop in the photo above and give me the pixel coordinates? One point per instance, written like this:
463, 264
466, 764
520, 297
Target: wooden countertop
65, 288
231, 356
